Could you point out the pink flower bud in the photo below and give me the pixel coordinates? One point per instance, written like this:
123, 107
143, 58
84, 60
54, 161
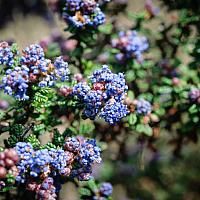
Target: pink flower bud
9, 162
2, 156
78, 77
98, 86
176, 81
3, 172
65, 91
69, 45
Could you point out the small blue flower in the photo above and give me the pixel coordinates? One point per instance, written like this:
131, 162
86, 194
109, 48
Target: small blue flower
130, 45
106, 189
143, 107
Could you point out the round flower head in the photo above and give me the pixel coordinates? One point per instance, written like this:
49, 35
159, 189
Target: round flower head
143, 107
83, 13
130, 45
104, 98
113, 111
15, 82
72, 144
81, 89
32, 54
106, 189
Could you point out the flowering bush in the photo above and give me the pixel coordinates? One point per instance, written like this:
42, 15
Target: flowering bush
87, 108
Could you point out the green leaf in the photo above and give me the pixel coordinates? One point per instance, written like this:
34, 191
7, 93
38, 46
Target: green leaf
39, 127
84, 192
106, 28
132, 119
86, 128
193, 109
92, 185
144, 128
130, 75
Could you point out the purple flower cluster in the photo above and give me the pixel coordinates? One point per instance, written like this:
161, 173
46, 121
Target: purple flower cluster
105, 97
36, 166
38, 163
143, 107
83, 13
113, 111
194, 95
33, 68
15, 82
105, 189
86, 154
44, 190
6, 54
130, 45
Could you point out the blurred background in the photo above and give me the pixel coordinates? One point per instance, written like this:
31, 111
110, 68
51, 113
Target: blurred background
142, 174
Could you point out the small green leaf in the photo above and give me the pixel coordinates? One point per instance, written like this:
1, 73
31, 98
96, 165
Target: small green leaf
132, 119
144, 128
92, 185
106, 29
84, 192
193, 109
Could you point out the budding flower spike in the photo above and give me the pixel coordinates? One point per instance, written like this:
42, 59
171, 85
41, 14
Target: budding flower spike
105, 97
33, 68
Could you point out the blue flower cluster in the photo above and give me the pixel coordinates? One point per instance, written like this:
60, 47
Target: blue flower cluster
143, 107
6, 54
105, 96
106, 189
38, 163
86, 154
15, 82
75, 160
130, 45
33, 68
83, 13
31, 55
113, 111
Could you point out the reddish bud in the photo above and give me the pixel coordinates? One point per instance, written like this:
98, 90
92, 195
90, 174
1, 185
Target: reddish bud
9, 162
3, 172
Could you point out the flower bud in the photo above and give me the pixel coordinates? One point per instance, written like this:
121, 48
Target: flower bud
3, 172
